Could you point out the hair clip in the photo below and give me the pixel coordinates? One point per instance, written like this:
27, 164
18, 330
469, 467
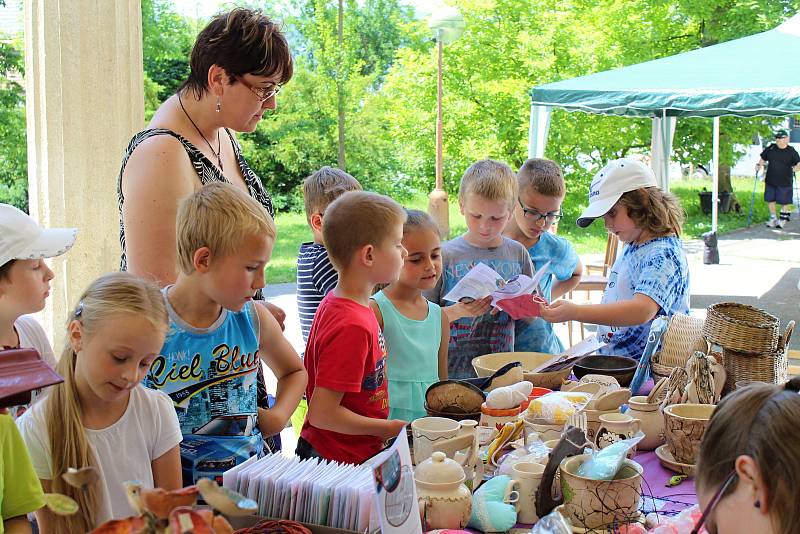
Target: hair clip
79, 309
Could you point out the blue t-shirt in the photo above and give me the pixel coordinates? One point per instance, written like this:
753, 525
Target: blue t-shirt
656, 268
475, 336
210, 375
316, 277
537, 335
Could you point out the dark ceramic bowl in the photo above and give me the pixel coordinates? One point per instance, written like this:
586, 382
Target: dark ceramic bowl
620, 367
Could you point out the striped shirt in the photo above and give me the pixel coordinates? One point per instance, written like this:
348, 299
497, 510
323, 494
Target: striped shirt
315, 278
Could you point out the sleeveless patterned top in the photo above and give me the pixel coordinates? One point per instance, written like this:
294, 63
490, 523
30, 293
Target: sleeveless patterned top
206, 171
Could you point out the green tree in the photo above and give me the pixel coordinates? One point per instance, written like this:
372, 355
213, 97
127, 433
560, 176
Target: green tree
13, 142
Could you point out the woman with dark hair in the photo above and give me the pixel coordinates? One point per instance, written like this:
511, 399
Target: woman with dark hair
238, 65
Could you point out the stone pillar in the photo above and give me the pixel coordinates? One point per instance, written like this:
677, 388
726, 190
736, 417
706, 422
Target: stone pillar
84, 100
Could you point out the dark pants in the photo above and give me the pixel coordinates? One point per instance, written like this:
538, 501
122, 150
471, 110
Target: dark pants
305, 451
778, 194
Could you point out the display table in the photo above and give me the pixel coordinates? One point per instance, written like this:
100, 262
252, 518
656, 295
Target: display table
656, 496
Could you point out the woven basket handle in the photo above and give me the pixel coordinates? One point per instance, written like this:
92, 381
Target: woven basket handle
783, 342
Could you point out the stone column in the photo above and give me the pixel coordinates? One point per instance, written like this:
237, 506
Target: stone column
84, 100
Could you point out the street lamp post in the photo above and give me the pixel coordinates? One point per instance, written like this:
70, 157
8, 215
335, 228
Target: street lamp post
447, 25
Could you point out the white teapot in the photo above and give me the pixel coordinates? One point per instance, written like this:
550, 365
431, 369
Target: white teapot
444, 500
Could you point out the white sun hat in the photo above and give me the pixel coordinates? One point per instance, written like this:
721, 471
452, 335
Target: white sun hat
21, 238
611, 182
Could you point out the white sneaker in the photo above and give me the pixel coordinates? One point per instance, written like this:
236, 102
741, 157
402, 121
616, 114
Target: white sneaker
780, 223
772, 223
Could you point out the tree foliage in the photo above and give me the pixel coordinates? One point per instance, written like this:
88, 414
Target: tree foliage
386, 73
13, 145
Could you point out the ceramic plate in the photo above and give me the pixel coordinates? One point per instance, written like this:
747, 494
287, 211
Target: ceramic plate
671, 463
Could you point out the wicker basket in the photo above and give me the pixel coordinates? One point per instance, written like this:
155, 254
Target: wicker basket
769, 367
684, 335
741, 328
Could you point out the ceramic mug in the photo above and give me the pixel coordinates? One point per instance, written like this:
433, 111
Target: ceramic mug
527, 477
427, 431
616, 427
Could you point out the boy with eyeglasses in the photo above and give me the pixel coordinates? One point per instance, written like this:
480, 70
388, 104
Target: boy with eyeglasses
538, 207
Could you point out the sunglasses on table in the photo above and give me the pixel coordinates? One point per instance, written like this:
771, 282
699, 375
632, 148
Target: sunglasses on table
713, 504
536, 215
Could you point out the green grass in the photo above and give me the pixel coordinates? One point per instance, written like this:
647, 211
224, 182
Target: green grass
293, 230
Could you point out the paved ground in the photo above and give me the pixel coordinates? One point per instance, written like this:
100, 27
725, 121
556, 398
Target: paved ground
758, 266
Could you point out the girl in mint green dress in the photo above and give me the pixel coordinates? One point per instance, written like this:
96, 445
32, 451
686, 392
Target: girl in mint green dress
412, 326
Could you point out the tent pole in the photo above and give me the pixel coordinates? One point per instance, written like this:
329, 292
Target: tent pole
715, 182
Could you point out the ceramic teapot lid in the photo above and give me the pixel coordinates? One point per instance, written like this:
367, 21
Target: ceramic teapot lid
439, 469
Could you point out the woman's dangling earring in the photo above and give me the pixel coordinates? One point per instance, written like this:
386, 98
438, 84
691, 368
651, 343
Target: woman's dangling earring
219, 105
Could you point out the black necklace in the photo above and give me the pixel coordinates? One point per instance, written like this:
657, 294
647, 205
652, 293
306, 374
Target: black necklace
219, 143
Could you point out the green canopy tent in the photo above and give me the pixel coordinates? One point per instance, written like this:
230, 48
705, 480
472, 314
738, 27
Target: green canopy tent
751, 76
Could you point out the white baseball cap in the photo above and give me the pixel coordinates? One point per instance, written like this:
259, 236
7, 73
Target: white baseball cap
609, 184
21, 238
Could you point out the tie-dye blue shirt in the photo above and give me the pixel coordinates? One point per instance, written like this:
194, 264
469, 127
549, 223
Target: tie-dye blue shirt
537, 335
476, 336
656, 268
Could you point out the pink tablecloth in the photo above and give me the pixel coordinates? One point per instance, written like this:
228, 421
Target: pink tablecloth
656, 496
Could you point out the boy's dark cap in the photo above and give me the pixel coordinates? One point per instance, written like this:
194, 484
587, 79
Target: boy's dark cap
780, 134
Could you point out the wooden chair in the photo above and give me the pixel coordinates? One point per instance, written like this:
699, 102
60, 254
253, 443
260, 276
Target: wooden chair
595, 282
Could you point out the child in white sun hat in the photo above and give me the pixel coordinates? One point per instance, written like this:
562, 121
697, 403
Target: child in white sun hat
651, 277
25, 280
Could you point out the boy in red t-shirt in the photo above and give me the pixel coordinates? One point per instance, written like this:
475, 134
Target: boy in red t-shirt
348, 400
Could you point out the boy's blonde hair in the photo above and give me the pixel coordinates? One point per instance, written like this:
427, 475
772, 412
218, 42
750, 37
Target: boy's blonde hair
219, 216
490, 179
542, 176
357, 219
109, 296
325, 186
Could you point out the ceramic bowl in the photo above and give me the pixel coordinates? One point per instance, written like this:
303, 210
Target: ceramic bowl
684, 426
599, 503
546, 432
620, 367
489, 363
454, 399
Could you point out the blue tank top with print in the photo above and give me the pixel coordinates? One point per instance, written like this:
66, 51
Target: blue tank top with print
210, 375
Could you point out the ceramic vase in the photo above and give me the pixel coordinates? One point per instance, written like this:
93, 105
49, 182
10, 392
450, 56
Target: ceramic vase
652, 422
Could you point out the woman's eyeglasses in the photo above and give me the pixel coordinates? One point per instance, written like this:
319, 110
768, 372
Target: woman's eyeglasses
713, 503
537, 215
263, 93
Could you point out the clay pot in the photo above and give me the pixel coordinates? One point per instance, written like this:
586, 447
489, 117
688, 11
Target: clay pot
497, 417
616, 427
594, 504
527, 476
444, 500
593, 421
652, 422
684, 426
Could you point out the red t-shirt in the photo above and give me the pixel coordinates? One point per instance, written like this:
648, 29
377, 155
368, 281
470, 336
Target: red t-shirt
346, 352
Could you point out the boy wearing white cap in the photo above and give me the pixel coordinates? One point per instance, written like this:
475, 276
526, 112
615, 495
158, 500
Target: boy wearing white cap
651, 277
25, 280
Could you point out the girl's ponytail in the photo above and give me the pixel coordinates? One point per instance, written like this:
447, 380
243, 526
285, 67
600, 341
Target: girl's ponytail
108, 296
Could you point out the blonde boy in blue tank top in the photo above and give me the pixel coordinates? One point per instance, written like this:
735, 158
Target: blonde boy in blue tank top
218, 336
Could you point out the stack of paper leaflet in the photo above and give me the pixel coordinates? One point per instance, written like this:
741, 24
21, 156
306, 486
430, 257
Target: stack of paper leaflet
309, 491
379, 496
